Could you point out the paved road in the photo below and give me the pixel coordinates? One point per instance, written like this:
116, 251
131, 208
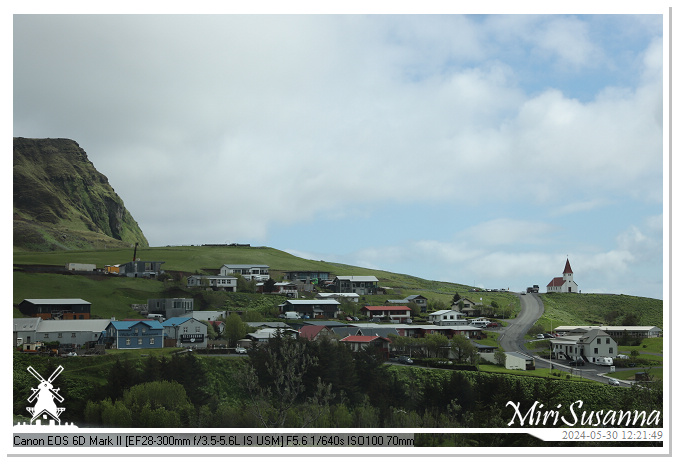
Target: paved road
512, 336
512, 340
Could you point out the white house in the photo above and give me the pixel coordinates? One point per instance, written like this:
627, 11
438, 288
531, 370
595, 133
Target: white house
589, 345
353, 297
447, 317
564, 284
258, 272
219, 282
188, 331
616, 331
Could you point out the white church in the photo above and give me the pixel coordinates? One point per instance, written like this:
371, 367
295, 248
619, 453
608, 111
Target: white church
564, 284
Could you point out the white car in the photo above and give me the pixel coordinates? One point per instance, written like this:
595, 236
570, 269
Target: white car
615, 382
540, 337
241, 350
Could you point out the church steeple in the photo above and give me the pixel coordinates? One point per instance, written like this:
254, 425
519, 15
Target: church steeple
567, 269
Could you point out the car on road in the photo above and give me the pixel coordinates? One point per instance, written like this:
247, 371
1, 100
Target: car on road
404, 360
614, 382
241, 350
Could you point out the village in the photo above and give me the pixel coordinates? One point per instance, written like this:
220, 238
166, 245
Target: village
397, 329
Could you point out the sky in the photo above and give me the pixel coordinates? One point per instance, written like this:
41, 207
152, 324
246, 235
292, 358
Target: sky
477, 149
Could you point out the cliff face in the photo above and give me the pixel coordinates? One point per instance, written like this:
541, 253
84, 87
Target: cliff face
62, 202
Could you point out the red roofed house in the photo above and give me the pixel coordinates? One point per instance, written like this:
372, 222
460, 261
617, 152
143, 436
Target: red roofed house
314, 332
564, 284
359, 342
399, 313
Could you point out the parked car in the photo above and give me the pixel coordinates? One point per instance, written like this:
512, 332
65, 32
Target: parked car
241, 350
615, 382
622, 356
404, 360
540, 337
577, 362
493, 324
548, 335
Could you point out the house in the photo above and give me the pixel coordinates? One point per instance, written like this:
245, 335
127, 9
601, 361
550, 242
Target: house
265, 334
615, 331
467, 307
218, 326
186, 332
520, 361
313, 309
352, 297
258, 272
288, 289
206, 315
589, 345
363, 285
419, 300
72, 333
308, 276
564, 284
218, 282
486, 352
134, 334
56, 308
314, 332
359, 342
150, 269
169, 307
397, 313
24, 330
447, 317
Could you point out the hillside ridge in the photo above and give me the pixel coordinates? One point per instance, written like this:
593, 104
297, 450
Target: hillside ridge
61, 201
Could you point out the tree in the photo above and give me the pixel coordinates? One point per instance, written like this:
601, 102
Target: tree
630, 320
234, 329
244, 285
269, 285
463, 349
414, 309
435, 343
500, 356
275, 382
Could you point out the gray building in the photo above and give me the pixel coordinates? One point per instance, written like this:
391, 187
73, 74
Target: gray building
170, 307
141, 269
74, 332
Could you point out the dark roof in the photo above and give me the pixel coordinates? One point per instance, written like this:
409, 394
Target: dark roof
567, 269
556, 282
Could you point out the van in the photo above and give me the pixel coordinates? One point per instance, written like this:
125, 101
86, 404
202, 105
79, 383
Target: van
482, 323
292, 315
603, 361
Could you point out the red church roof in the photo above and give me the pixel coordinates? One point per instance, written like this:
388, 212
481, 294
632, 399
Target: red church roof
556, 282
567, 269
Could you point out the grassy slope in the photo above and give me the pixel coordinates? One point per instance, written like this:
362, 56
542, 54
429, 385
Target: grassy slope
112, 297
590, 309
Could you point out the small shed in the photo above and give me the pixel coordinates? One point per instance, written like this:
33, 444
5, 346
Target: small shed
520, 361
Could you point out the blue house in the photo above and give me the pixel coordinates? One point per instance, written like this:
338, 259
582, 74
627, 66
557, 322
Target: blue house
134, 334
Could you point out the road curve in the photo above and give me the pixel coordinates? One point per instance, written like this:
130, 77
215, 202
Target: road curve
531, 310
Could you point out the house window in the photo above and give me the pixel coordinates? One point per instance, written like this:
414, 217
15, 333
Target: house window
186, 330
152, 341
128, 341
72, 334
608, 340
598, 341
143, 330
596, 350
139, 341
610, 351
60, 334
47, 335
197, 329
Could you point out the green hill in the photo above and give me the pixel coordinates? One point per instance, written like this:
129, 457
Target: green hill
61, 202
112, 296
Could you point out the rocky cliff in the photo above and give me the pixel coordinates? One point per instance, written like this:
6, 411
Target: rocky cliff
62, 202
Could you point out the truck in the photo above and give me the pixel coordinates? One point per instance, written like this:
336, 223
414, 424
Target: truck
533, 289
603, 361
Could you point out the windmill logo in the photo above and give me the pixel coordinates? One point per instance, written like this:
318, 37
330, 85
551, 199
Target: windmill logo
44, 397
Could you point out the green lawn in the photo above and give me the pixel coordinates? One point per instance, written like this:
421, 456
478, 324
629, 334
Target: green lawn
535, 373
